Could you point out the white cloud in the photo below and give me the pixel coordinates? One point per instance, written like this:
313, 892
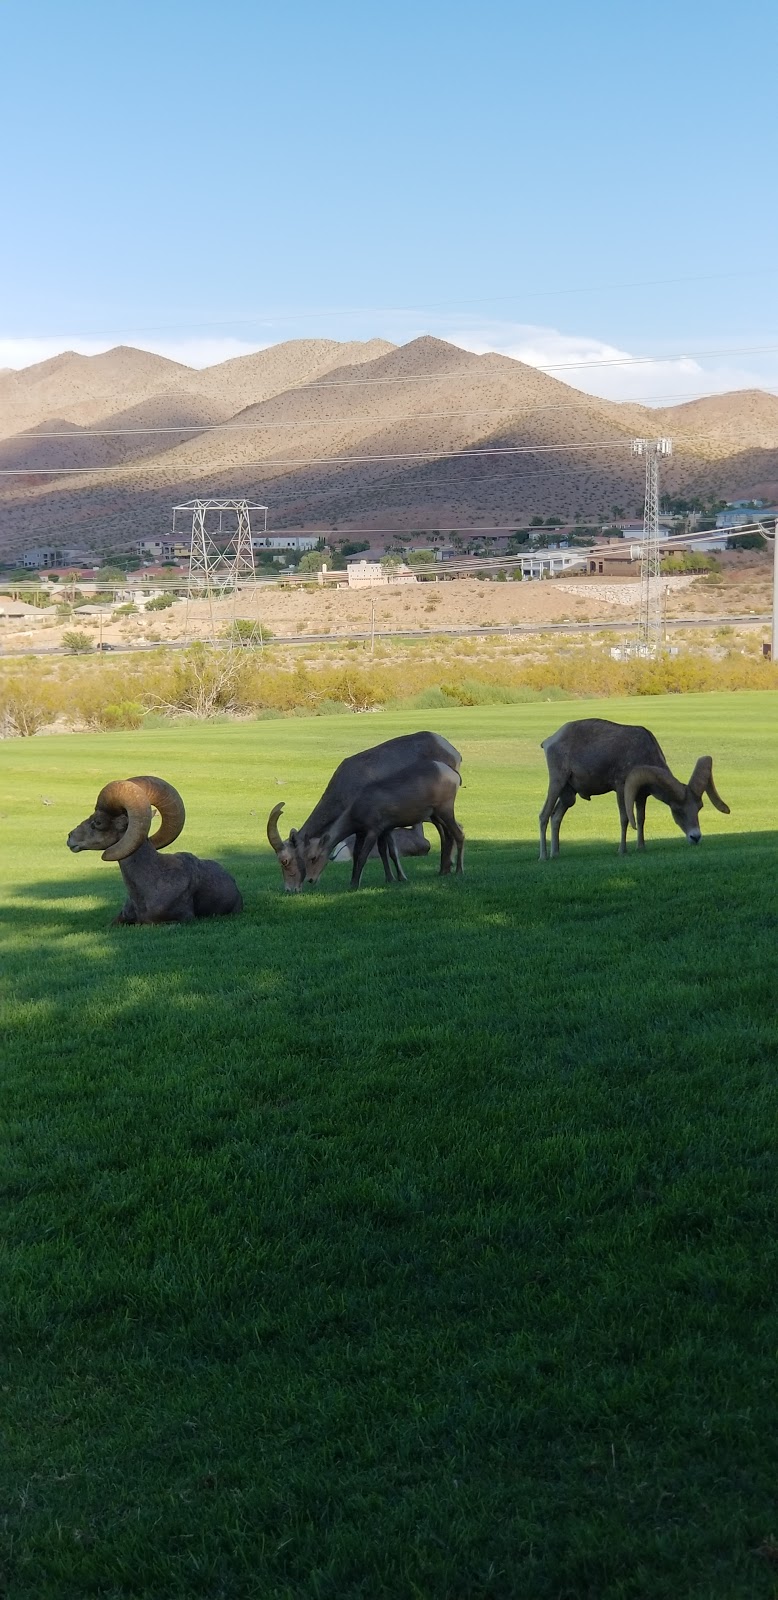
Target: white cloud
582, 361
191, 352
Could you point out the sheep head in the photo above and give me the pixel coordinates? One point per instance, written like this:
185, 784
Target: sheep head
287, 851
121, 819
684, 799
316, 852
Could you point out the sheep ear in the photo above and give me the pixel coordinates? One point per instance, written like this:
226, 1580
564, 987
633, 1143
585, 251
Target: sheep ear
293, 836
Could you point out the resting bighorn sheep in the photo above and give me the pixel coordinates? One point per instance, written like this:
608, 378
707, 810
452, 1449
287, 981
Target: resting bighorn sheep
407, 842
174, 888
304, 846
596, 757
424, 792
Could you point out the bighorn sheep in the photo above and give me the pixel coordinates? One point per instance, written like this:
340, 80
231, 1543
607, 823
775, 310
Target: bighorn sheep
304, 845
408, 842
174, 888
424, 792
596, 757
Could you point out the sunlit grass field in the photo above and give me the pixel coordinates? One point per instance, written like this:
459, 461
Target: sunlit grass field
413, 1243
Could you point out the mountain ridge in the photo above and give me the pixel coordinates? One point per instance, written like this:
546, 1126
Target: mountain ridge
293, 425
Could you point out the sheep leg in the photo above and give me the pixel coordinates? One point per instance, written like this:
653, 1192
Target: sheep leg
555, 789
363, 844
126, 917
640, 813
454, 831
387, 855
624, 822
564, 804
446, 843
357, 841
394, 853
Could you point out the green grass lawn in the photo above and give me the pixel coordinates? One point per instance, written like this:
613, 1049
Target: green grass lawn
415, 1243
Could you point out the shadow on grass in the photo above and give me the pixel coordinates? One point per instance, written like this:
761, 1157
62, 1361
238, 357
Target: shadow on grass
514, 939
358, 1235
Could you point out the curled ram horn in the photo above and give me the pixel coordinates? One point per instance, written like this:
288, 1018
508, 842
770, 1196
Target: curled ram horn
273, 835
701, 782
167, 801
124, 795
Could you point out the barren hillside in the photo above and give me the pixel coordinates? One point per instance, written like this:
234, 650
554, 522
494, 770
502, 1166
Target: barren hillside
349, 435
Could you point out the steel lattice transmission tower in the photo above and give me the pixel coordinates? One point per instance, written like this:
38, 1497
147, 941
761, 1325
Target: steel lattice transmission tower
650, 622
221, 553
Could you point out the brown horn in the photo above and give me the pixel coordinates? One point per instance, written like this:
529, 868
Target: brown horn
653, 777
701, 782
700, 777
167, 801
274, 837
124, 795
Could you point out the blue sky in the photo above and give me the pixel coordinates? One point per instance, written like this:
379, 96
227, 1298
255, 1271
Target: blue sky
556, 181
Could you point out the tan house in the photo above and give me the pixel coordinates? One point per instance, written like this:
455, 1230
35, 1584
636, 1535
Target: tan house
617, 562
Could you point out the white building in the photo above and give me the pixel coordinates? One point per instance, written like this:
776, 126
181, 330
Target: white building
163, 549
38, 560
371, 575
283, 542
550, 563
633, 527
742, 513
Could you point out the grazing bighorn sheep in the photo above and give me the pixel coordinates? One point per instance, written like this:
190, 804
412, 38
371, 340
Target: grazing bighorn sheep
304, 844
424, 792
596, 757
174, 888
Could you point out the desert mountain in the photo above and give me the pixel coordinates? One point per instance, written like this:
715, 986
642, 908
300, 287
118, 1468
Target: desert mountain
364, 435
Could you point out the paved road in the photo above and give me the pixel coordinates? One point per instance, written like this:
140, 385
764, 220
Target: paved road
606, 625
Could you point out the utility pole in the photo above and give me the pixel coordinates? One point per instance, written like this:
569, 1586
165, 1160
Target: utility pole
219, 559
650, 619
774, 637
372, 624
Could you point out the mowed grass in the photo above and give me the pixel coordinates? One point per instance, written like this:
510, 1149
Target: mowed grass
419, 1242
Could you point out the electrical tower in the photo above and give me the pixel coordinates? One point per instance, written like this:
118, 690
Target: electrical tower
651, 621
221, 553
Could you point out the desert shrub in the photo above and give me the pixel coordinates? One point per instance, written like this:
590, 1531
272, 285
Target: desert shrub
27, 704
244, 631
202, 682
128, 610
161, 602
474, 692
76, 642
359, 690
432, 699
332, 708
122, 714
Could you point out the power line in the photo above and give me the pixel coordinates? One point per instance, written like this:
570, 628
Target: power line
270, 319
197, 428
556, 366
344, 461
297, 462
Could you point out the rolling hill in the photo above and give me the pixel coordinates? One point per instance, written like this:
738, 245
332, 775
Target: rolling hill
366, 435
